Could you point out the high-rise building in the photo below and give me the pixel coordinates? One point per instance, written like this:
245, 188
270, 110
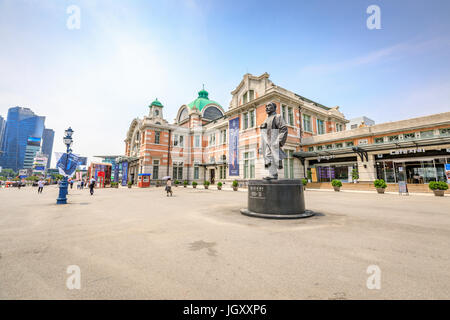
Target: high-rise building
32, 149
21, 124
2, 130
47, 144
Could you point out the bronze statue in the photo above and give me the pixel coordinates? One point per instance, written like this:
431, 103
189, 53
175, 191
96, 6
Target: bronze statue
273, 137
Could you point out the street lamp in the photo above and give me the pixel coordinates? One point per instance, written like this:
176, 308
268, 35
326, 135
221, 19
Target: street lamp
63, 186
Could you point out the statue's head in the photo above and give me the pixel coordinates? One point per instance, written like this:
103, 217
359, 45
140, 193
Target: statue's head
271, 107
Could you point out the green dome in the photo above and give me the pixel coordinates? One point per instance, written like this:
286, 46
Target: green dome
201, 101
156, 103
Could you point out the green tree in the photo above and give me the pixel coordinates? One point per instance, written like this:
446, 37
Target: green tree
8, 173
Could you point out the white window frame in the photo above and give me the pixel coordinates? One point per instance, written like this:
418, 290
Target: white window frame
310, 123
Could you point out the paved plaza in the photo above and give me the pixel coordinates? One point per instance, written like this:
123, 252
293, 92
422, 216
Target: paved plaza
140, 244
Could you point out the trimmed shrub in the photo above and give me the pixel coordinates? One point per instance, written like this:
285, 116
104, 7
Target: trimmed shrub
336, 183
304, 181
379, 183
219, 184
438, 185
235, 183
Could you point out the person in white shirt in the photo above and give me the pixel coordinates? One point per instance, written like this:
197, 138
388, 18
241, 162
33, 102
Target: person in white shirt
40, 186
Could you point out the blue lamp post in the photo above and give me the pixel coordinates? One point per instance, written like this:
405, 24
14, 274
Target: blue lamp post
62, 198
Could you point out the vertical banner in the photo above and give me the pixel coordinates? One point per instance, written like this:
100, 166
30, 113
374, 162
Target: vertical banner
124, 173
116, 172
233, 147
447, 172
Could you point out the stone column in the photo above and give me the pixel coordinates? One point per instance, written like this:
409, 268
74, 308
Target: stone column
366, 169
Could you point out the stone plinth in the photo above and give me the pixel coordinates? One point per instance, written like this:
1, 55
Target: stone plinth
276, 199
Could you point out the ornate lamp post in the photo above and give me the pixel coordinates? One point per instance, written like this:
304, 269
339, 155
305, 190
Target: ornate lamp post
62, 198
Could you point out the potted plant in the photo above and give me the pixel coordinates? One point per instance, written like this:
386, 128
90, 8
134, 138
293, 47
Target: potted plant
304, 183
337, 184
185, 183
380, 185
438, 187
309, 174
219, 185
114, 185
177, 183
206, 184
194, 184
355, 175
235, 185
130, 183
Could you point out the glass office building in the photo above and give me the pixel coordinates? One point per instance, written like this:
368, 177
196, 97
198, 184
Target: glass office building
47, 144
21, 124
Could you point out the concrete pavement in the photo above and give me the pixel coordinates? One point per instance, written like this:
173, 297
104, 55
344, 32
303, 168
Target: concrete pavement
140, 244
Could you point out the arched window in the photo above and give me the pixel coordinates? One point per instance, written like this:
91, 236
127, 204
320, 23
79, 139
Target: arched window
212, 113
183, 115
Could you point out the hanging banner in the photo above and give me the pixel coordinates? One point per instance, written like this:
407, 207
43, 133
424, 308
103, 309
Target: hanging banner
124, 173
67, 164
233, 147
116, 172
447, 172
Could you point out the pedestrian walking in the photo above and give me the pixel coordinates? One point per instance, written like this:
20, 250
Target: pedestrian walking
169, 187
40, 186
82, 184
71, 184
91, 186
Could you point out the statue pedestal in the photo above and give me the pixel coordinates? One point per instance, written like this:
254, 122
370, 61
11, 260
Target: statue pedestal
276, 199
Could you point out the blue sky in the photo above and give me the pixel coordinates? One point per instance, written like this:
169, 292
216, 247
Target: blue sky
126, 53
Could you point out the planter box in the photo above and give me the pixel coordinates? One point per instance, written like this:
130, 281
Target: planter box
185, 186
206, 187
337, 189
380, 190
219, 188
194, 186
235, 188
439, 193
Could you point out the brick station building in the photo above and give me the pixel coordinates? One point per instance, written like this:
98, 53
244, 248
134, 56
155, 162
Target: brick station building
197, 146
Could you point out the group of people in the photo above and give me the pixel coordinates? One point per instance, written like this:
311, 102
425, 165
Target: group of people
80, 185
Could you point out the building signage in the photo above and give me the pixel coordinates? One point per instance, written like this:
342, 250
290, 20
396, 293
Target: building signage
234, 147
406, 151
325, 157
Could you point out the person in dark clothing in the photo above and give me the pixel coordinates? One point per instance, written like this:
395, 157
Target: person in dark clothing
71, 184
91, 186
82, 184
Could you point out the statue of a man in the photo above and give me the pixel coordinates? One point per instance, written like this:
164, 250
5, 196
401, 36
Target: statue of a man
273, 137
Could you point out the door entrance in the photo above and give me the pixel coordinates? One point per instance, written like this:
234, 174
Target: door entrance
212, 175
